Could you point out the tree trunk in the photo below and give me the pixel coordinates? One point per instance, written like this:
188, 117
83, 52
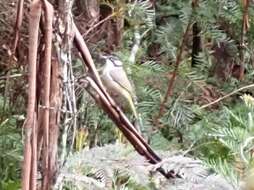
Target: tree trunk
196, 40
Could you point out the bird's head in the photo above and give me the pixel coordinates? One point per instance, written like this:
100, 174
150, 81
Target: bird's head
103, 60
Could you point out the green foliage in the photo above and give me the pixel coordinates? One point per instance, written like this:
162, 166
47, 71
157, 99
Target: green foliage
94, 121
11, 150
140, 13
121, 168
227, 139
222, 137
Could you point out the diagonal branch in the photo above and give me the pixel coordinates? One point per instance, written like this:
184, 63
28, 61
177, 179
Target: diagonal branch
110, 107
123, 124
173, 77
99, 23
226, 96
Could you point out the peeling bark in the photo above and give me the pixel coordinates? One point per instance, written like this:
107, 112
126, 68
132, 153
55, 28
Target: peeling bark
54, 119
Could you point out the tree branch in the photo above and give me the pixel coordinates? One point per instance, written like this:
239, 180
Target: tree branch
226, 96
173, 77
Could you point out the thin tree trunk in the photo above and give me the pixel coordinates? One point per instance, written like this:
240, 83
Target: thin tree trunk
174, 75
48, 8
29, 126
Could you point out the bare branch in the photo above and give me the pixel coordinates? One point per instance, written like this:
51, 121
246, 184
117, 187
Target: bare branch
226, 96
99, 23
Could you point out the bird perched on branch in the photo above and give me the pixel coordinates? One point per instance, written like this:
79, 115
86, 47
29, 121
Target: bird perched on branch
117, 84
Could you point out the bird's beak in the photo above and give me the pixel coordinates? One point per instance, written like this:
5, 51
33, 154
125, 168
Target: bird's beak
102, 56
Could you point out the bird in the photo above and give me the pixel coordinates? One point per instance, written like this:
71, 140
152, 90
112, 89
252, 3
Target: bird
117, 84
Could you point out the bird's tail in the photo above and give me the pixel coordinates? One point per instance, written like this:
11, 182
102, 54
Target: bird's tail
137, 122
130, 99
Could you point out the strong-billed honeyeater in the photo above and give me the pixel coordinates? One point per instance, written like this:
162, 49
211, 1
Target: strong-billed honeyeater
117, 84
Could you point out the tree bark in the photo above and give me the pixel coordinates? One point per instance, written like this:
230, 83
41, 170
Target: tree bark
54, 119
46, 72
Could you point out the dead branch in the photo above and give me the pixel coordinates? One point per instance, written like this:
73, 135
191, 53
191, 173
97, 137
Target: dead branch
226, 96
99, 23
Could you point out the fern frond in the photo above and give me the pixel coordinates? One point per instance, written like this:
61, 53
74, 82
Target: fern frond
225, 169
179, 115
141, 13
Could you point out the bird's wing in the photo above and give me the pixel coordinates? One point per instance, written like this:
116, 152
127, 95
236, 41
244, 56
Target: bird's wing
120, 77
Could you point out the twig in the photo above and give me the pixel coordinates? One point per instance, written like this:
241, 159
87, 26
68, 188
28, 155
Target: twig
99, 23
226, 96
